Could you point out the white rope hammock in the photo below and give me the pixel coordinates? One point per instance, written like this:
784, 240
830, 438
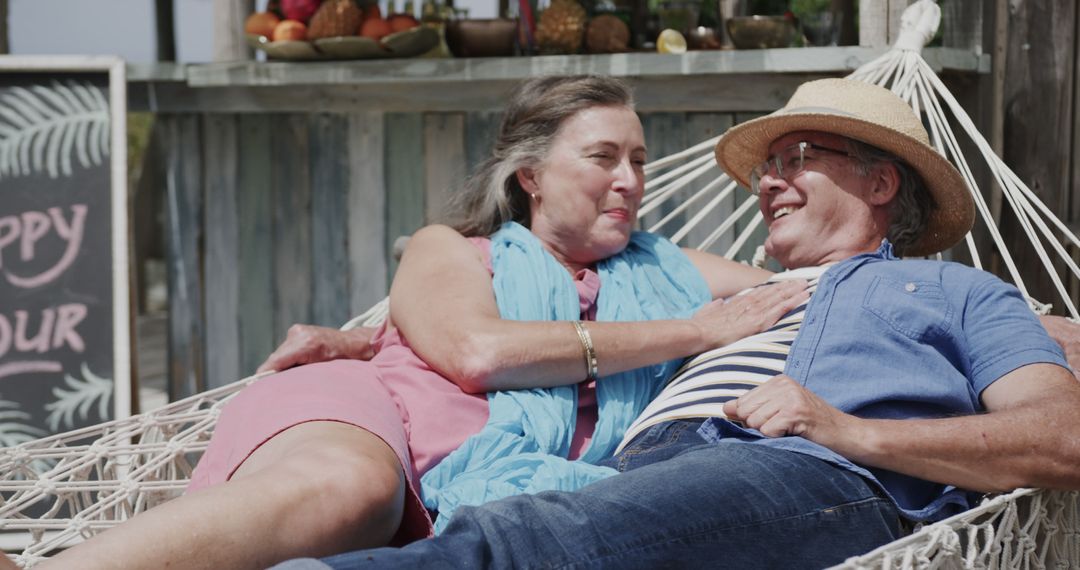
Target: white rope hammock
62, 489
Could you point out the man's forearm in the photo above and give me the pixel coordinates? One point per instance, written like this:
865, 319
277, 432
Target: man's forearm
1030, 437
1034, 444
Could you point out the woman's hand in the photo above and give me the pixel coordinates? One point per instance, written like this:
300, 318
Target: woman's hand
726, 321
1067, 334
307, 344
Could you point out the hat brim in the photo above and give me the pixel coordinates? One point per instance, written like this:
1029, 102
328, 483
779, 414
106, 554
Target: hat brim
746, 145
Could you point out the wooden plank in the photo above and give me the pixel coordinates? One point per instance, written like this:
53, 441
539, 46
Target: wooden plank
962, 24
329, 159
1039, 118
183, 225
255, 235
873, 23
997, 104
997, 111
435, 79
481, 130
164, 29
404, 181
444, 160
746, 253
694, 83
292, 223
665, 134
849, 29
895, 13
367, 211
1072, 213
229, 42
220, 219
4, 42
699, 127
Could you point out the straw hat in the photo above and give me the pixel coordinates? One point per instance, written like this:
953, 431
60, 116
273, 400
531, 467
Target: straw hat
870, 114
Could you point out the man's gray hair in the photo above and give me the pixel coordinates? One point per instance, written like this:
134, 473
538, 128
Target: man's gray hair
909, 214
537, 109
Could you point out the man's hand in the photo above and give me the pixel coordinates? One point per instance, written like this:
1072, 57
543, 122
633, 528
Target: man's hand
1067, 334
307, 344
782, 407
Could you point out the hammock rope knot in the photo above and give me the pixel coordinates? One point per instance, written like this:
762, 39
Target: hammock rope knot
918, 25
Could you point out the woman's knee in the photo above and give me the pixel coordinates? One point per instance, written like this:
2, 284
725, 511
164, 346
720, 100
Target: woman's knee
346, 460
336, 476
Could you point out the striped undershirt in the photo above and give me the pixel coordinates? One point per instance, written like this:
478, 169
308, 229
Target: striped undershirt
704, 382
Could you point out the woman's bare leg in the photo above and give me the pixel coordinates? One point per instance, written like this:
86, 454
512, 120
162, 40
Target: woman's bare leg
315, 489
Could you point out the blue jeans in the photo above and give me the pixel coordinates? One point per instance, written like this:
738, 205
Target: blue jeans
679, 503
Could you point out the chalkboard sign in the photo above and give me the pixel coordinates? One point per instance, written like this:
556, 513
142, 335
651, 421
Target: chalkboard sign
64, 304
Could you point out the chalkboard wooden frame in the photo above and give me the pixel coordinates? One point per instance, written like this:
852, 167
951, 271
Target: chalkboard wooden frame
115, 68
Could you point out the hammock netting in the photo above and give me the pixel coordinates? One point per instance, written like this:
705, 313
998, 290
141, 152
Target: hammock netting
59, 490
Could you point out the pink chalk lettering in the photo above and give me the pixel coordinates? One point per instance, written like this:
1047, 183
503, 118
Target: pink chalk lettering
72, 233
9, 232
5, 335
75, 230
68, 317
14, 368
40, 342
35, 225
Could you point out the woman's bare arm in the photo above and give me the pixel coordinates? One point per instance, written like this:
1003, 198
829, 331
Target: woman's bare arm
724, 276
443, 302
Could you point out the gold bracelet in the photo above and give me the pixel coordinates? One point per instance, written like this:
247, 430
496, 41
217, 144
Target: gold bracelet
591, 367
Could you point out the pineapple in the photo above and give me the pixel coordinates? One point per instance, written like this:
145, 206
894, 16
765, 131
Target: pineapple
335, 18
561, 27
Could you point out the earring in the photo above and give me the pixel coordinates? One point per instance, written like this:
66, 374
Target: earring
533, 196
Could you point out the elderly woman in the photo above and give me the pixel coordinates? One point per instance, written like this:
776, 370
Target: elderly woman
349, 454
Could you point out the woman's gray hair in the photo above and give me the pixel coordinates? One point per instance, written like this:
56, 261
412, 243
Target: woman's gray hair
537, 109
909, 213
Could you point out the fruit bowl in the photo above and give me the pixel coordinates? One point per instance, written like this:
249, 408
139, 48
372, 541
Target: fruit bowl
481, 37
761, 32
408, 43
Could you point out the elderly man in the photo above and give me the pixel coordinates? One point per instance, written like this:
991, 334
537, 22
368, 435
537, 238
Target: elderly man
897, 391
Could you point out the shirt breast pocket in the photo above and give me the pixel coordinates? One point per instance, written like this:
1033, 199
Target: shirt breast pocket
915, 309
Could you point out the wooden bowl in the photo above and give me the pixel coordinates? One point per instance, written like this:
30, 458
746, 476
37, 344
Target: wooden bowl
761, 32
703, 37
482, 37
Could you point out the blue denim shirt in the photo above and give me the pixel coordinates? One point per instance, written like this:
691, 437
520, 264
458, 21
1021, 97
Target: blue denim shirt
893, 339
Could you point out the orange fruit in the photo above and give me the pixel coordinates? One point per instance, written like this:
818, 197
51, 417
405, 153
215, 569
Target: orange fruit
289, 30
402, 22
375, 28
261, 23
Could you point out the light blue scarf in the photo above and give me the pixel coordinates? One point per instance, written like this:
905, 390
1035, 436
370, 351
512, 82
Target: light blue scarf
523, 447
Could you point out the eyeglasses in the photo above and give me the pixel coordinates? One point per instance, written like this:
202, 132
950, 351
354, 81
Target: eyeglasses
788, 162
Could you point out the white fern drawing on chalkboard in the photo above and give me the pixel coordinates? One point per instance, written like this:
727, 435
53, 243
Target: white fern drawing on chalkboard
13, 430
82, 394
43, 128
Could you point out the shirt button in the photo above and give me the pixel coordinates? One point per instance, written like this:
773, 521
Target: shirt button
910, 287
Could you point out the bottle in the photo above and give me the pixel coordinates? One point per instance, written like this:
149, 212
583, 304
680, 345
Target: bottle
429, 12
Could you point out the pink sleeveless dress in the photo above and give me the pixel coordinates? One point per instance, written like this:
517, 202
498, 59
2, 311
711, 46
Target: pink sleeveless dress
421, 415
